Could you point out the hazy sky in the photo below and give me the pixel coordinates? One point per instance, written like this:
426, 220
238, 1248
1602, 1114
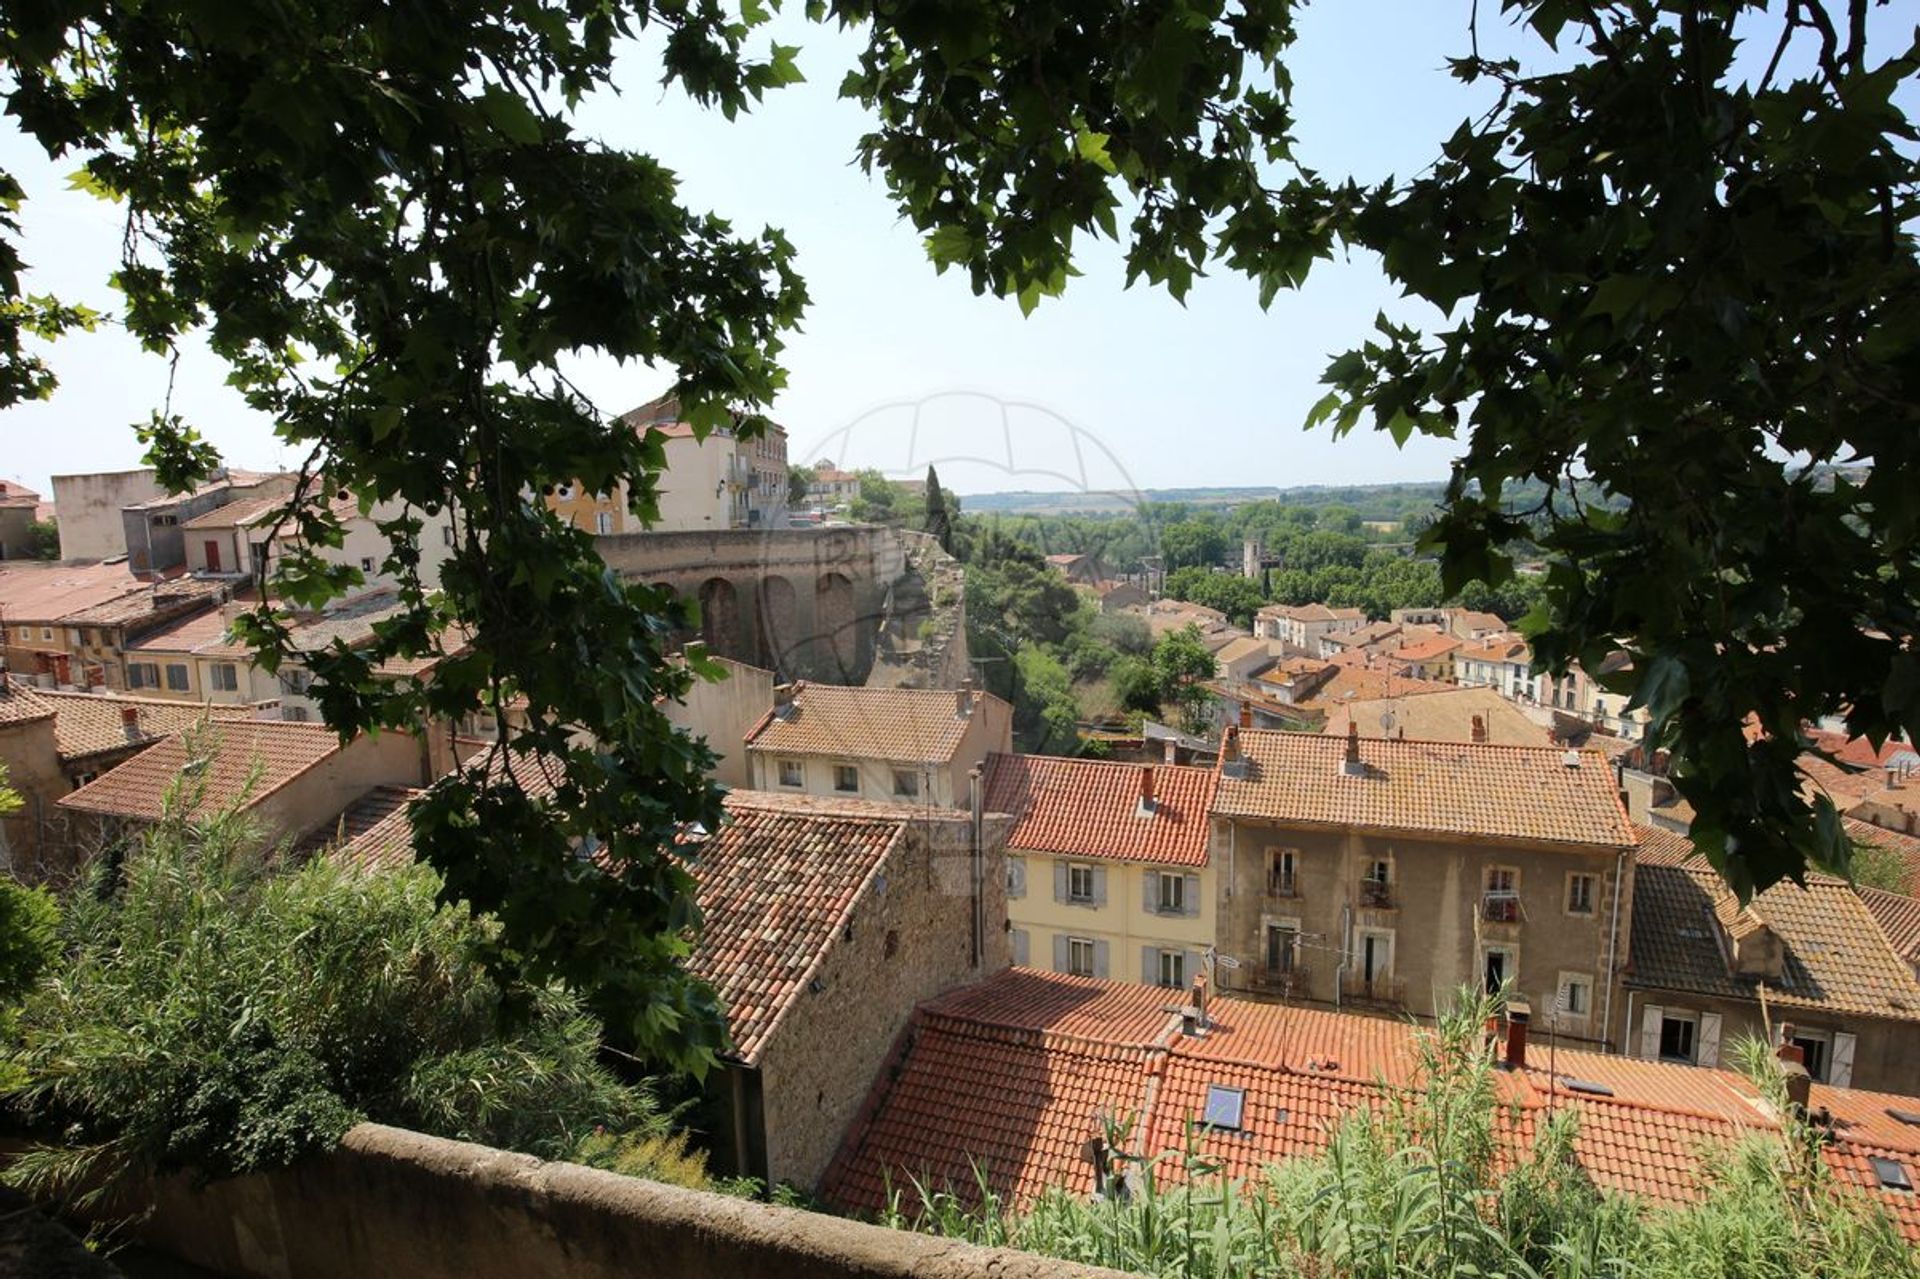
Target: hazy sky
896, 366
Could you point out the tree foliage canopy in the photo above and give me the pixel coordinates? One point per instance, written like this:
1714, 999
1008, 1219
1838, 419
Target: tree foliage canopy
1690, 285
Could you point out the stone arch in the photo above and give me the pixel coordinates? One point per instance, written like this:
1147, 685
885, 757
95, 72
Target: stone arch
720, 620
835, 622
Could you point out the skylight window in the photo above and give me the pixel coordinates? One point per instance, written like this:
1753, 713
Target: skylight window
1586, 1086
1225, 1106
1905, 1116
1891, 1172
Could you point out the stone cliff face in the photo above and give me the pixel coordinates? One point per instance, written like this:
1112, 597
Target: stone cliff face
922, 639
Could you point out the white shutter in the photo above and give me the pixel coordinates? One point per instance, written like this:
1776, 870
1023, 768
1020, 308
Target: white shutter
1149, 898
1190, 898
1650, 1018
1099, 886
1060, 961
1709, 1046
1840, 1073
1021, 946
1149, 966
1060, 884
1102, 953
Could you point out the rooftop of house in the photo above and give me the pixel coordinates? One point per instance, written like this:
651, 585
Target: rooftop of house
1467, 621
219, 765
245, 513
13, 493
1904, 847
1242, 646
204, 634
1312, 613
1425, 648
1367, 636
777, 884
1899, 918
87, 724
229, 479
663, 415
1065, 559
1444, 715
1497, 648
44, 592
1449, 789
20, 704
372, 833
1686, 923
154, 601
1096, 808
1358, 681
904, 725
1015, 1075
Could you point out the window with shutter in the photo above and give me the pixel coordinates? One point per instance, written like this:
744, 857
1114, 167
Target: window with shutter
1062, 955
1021, 946
1707, 1050
1102, 956
1060, 881
1192, 897
1841, 1073
1099, 885
1651, 1018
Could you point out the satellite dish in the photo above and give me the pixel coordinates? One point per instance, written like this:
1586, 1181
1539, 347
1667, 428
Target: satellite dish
1386, 720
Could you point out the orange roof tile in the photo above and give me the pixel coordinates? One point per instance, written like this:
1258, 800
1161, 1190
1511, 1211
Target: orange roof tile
375, 832
94, 724
1439, 716
20, 704
1424, 648
776, 884
42, 592
1091, 808
1449, 788
1899, 920
917, 725
1012, 1077
232, 752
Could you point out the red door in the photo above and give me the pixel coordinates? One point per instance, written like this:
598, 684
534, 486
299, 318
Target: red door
213, 556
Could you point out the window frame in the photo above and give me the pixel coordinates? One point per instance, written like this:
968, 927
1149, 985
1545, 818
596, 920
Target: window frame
1076, 946
603, 523
1173, 963
911, 787
1592, 882
1511, 894
841, 772
224, 677
1075, 870
1170, 898
1680, 1017
1570, 981
186, 677
1283, 871
799, 768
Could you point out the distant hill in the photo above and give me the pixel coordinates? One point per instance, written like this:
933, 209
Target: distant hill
1359, 496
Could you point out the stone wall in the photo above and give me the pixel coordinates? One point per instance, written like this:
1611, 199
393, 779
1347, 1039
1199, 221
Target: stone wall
909, 939
89, 506
391, 1202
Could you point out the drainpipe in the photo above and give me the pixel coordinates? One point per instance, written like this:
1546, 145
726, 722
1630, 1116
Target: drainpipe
1233, 843
1626, 1031
1346, 949
979, 857
739, 1074
1613, 936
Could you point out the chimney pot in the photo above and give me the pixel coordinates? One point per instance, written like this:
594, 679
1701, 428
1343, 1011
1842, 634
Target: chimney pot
1246, 714
1351, 765
1146, 787
1172, 751
1799, 1085
1230, 745
963, 700
1479, 728
1518, 1016
130, 723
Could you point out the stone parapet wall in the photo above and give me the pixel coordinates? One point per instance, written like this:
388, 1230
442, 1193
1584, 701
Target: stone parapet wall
392, 1202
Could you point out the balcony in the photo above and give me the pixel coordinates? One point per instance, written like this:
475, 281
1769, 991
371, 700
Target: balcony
1279, 885
1356, 988
1283, 983
1376, 894
1500, 910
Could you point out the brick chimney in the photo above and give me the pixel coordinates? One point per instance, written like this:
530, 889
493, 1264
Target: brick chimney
1351, 765
1146, 789
1171, 754
1246, 714
1480, 728
783, 698
1230, 745
1518, 1016
130, 723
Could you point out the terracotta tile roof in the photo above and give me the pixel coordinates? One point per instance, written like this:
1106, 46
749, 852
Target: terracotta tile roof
41, 592
1366, 636
1243, 646
1356, 681
1311, 613
1424, 648
1439, 716
163, 599
1837, 957
1091, 808
13, 493
776, 884
915, 725
1899, 920
1467, 619
1015, 1075
93, 724
1447, 788
20, 704
205, 634
244, 513
1497, 648
373, 833
279, 750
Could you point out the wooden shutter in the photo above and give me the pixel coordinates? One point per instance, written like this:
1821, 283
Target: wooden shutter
1022, 944
1099, 886
1707, 1051
1060, 884
1102, 956
1840, 1070
1190, 899
1149, 965
1650, 1018
1061, 963
1150, 891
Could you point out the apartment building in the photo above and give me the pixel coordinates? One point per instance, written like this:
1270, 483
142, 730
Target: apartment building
1108, 872
1301, 626
237, 541
898, 745
1388, 873
718, 482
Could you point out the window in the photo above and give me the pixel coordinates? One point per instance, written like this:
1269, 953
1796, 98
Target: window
1579, 894
1815, 1045
446, 535
225, 678
792, 773
1173, 896
1173, 969
143, 675
294, 714
166, 521
1225, 1107
1080, 956
1576, 995
1891, 1173
1676, 1037
846, 778
1080, 884
1501, 903
1374, 889
366, 563
603, 522
295, 682
1283, 943
906, 783
177, 678
1500, 966
1282, 864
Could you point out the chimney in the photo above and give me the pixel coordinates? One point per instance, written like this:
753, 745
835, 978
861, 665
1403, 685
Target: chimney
1518, 1015
1480, 728
1200, 997
1893, 778
783, 698
1230, 745
1172, 752
963, 699
1351, 765
1246, 714
1146, 790
130, 723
